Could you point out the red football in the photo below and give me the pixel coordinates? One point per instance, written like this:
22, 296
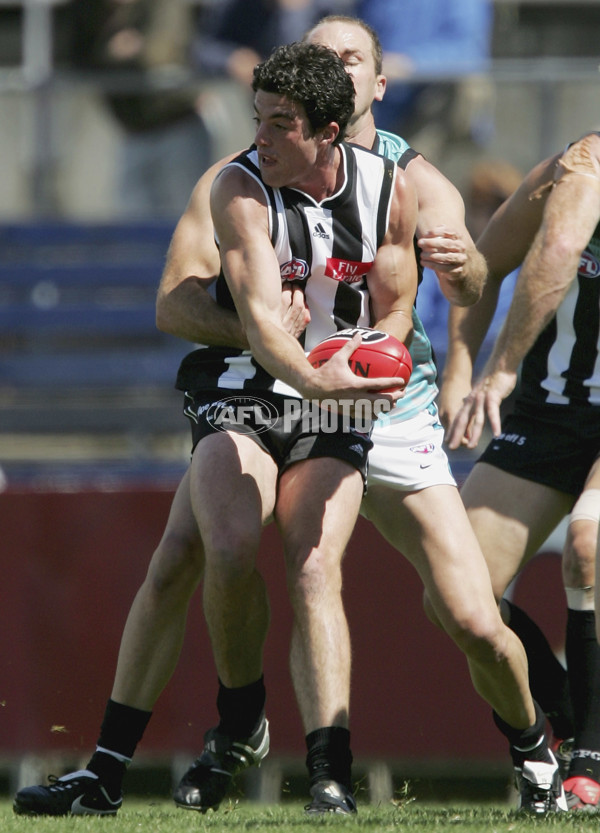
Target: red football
378, 355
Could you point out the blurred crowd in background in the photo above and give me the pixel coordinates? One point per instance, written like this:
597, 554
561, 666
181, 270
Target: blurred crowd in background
147, 93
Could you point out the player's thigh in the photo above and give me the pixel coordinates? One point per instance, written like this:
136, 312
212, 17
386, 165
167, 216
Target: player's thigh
233, 484
430, 527
511, 517
317, 507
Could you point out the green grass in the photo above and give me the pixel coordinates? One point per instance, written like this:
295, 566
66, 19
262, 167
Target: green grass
163, 817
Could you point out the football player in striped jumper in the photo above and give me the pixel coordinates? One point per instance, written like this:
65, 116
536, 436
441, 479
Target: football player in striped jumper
338, 220
540, 464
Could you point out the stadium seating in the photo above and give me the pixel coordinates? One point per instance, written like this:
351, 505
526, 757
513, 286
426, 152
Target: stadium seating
80, 353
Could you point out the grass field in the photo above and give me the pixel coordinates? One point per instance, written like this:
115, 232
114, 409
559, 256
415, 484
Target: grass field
164, 817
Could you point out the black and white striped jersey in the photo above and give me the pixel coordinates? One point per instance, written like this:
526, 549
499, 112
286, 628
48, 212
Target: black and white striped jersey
326, 247
563, 366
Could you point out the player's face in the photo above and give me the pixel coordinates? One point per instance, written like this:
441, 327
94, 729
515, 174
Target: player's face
287, 152
354, 47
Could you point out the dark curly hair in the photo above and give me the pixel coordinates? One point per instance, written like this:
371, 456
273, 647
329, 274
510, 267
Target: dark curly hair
313, 76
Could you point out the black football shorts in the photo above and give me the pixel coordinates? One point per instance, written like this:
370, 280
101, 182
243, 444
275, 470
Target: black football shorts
554, 445
289, 429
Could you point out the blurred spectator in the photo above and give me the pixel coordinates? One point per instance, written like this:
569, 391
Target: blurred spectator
490, 182
444, 39
238, 34
166, 145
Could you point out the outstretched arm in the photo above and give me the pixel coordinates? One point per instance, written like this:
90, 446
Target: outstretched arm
571, 213
504, 243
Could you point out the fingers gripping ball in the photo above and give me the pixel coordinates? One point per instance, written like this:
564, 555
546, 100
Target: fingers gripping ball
378, 355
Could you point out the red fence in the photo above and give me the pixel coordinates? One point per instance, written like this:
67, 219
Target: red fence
71, 564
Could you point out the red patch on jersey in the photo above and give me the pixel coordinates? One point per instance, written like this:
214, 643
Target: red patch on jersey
348, 271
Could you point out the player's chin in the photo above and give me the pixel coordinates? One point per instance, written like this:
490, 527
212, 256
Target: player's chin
271, 174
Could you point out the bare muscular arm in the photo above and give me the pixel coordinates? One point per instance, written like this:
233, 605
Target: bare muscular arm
393, 276
504, 244
184, 307
445, 243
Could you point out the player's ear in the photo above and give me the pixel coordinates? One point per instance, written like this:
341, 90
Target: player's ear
380, 87
330, 133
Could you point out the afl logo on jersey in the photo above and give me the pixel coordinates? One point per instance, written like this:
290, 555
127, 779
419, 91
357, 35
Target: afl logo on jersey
589, 266
294, 270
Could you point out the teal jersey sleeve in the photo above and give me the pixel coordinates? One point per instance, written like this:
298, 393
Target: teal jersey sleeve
390, 145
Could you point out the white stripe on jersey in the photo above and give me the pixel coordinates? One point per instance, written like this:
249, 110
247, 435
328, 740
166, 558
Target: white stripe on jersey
559, 356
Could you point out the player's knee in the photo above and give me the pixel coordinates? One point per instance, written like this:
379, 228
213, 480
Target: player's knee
474, 630
312, 576
579, 556
231, 551
177, 564
480, 636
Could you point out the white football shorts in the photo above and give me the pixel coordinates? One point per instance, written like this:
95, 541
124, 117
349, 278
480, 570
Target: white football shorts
408, 455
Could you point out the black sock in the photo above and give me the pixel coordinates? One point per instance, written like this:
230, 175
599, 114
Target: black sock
548, 680
526, 744
583, 659
120, 733
241, 709
329, 757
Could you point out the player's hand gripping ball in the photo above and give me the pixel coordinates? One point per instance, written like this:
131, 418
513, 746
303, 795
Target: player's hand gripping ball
378, 355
